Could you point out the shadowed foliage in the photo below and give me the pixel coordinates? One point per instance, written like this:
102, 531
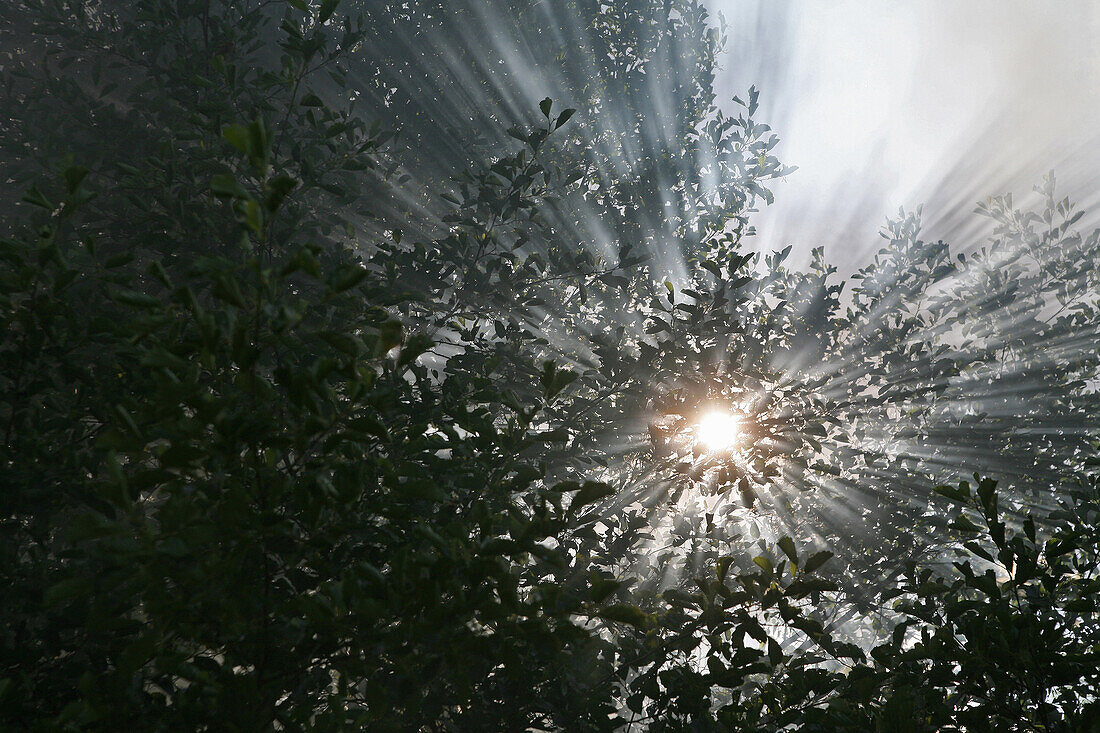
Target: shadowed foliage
350, 374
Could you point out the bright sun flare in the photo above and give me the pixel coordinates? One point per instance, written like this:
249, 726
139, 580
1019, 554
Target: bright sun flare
718, 430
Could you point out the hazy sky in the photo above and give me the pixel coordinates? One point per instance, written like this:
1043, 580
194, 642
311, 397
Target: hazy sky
883, 104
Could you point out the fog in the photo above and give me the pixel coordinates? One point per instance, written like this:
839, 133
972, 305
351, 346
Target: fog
882, 105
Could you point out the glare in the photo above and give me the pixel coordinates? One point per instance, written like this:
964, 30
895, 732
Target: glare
718, 430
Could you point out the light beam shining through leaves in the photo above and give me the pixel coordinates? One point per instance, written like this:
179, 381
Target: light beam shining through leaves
416, 365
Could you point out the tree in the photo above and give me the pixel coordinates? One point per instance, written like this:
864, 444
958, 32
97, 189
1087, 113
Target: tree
296, 441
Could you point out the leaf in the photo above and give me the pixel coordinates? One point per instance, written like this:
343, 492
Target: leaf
328, 7
118, 260
35, 198
787, 545
67, 590
625, 613
722, 567
959, 493
74, 175
775, 652
180, 454
342, 342
591, 491
557, 435
257, 141
964, 524
370, 425
564, 117
978, 550
135, 299
227, 290
810, 584
277, 190
1081, 605
816, 560
161, 357
226, 186
414, 346
253, 217
987, 493
390, 334
545, 106
931, 588
601, 588
348, 277
237, 136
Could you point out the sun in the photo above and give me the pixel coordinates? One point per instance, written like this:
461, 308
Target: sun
718, 430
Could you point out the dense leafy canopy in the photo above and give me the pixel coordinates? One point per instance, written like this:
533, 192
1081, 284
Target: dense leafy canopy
349, 382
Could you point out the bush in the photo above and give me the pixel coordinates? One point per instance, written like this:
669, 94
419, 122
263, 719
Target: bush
300, 432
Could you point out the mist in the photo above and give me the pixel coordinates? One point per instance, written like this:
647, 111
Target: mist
887, 105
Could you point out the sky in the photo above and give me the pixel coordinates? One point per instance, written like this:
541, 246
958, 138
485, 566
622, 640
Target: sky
939, 102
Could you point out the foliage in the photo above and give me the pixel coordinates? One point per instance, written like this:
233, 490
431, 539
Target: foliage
305, 429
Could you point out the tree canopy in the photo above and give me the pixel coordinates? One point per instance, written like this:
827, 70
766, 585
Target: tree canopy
353, 359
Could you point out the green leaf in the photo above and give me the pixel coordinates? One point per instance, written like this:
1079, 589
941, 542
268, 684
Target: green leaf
36, 198
978, 550
775, 652
964, 524
277, 190
564, 117
118, 260
1081, 605
136, 299
414, 346
257, 141
67, 590
237, 136
987, 493
554, 380
342, 342
158, 356
591, 491
722, 567
369, 425
328, 7
226, 186
390, 334
545, 106
348, 277
810, 584
74, 175
960, 494
225, 288
601, 588
787, 545
253, 216
931, 588
816, 560
625, 613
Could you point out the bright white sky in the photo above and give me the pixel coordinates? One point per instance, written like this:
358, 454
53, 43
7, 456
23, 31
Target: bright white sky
883, 104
